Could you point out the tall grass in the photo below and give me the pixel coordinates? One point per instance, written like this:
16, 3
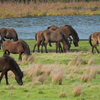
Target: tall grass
13, 10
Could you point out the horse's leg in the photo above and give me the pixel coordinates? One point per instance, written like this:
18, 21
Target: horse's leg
3, 72
8, 53
20, 56
6, 76
70, 39
60, 47
46, 47
34, 47
92, 48
42, 47
96, 49
38, 47
50, 44
4, 52
57, 45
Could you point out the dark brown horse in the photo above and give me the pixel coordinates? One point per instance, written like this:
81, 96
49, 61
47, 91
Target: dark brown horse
7, 63
8, 34
96, 39
68, 31
54, 36
18, 47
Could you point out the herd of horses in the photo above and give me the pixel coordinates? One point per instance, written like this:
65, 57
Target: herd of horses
52, 34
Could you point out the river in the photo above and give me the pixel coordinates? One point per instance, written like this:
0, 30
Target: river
28, 27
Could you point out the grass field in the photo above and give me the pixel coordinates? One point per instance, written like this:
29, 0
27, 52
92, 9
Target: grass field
56, 76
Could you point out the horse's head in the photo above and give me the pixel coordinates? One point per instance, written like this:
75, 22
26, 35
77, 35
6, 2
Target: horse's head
66, 47
19, 78
75, 41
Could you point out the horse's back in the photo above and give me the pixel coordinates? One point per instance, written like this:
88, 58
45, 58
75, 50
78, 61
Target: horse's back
51, 35
5, 63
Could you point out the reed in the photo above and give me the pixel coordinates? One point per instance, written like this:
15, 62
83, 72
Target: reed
13, 10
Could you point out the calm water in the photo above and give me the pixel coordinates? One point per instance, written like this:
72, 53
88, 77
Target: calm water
27, 27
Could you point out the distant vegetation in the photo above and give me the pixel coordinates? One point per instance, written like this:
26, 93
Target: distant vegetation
31, 9
27, 1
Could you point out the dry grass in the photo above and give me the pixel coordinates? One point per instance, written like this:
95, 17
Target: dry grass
12, 10
62, 94
77, 91
78, 61
28, 58
42, 78
84, 78
57, 75
91, 61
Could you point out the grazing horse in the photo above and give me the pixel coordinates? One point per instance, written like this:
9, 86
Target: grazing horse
7, 63
54, 36
96, 39
8, 34
17, 47
68, 31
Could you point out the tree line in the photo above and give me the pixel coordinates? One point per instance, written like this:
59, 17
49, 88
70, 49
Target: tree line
28, 1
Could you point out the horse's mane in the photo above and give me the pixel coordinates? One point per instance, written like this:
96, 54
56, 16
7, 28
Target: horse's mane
13, 62
16, 38
73, 31
25, 46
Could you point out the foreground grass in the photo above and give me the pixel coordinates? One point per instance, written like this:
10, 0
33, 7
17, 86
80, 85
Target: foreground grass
15, 10
74, 66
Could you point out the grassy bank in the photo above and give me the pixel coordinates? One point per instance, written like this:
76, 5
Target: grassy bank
13, 10
77, 72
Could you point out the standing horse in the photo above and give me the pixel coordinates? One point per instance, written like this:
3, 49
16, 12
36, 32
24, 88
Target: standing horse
38, 40
18, 47
54, 36
8, 34
96, 39
68, 31
7, 63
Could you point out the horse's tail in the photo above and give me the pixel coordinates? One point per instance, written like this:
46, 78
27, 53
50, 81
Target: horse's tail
36, 36
90, 40
42, 36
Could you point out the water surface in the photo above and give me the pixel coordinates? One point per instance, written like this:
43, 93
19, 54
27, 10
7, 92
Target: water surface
28, 27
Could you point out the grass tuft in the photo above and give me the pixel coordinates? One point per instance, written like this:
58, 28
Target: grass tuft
77, 91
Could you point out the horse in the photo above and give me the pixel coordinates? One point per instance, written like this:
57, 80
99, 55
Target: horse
17, 47
38, 40
54, 36
96, 39
8, 34
68, 31
7, 63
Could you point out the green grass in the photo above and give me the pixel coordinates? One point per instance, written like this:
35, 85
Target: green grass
48, 90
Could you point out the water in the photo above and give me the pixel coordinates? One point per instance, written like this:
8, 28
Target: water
28, 27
